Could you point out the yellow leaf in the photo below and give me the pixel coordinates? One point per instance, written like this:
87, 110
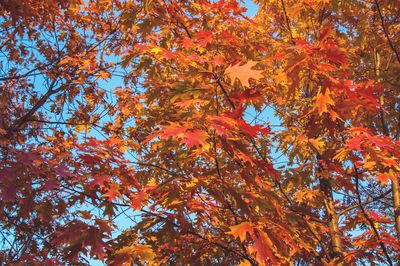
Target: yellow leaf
369, 165
244, 263
318, 144
86, 63
340, 154
148, 6
193, 183
304, 195
152, 182
82, 128
145, 252
243, 73
156, 50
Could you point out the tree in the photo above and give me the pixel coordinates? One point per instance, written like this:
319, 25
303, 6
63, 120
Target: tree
186, 149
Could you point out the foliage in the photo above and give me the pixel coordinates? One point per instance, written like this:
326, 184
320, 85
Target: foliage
175, 151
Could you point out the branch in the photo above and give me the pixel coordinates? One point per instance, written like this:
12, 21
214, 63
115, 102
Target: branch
224, 92
197, 235
28, 73
366, 202
386, 32
287, 20
230, 208
370, 221
21, 121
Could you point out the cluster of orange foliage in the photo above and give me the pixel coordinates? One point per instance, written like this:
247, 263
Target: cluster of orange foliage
313, 179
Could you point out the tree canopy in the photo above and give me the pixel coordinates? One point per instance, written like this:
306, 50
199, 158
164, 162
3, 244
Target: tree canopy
173, 132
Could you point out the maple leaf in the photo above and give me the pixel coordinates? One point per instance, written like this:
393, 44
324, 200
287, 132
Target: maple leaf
156, 50
196, 138
204, 37
138, 199
247, 95
105, 226
322, 102
96, 243
145, 252
252, 130
243, 73
124, 255
82, 128
9, 192
169, 59
99, 180
85, 214
219, 60
104, 75
241, 230
304, 194
384, 178
112, 192
262, 248
172, 130
244, 263
369, 165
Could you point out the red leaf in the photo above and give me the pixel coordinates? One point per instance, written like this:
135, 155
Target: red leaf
262, 248
137, 200
196, 138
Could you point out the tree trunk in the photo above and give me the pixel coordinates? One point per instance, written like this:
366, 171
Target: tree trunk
396, 204
385, 130
332, 217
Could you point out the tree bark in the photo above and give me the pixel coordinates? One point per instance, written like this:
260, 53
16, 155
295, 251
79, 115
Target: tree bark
329, 203
332, 217
396, 204
385, 130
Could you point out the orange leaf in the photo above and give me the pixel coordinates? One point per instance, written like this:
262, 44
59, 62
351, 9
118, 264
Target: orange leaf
322, 102
384, 178
196, 138
112, 192
145, 252
172, 130
318, 144
243, 73
241, 230
137, 200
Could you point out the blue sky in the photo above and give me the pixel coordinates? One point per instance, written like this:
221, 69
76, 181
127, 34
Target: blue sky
251, 8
